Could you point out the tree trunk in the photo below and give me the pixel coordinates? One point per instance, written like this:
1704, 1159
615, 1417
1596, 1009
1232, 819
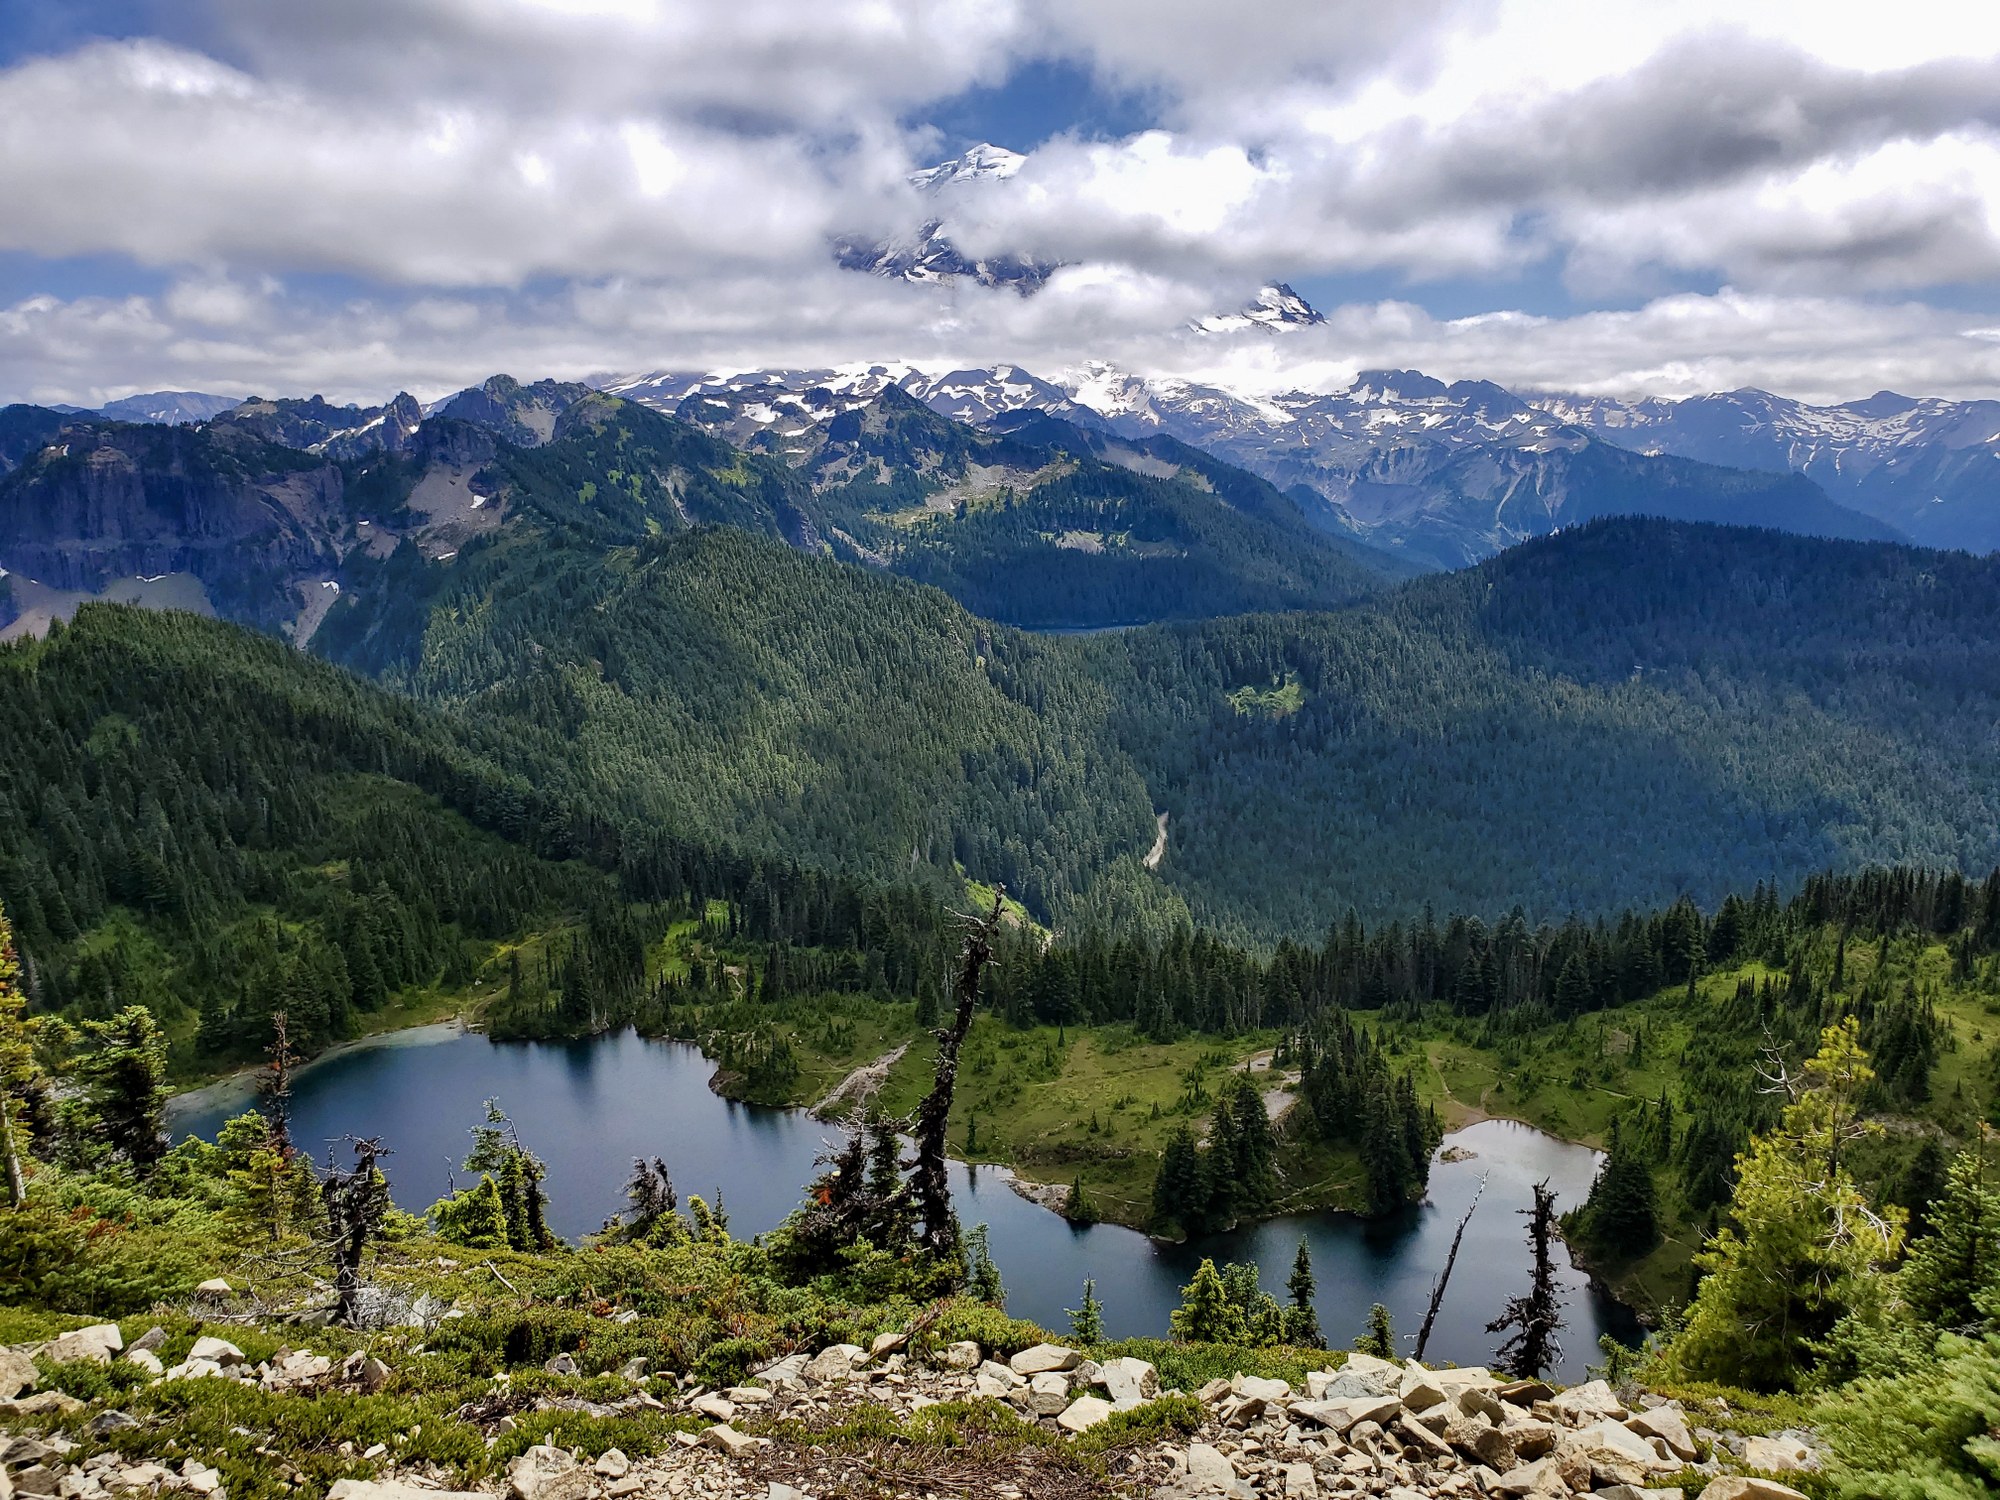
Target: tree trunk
933, 1187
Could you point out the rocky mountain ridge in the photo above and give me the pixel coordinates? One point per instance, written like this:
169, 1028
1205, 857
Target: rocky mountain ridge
1439, 474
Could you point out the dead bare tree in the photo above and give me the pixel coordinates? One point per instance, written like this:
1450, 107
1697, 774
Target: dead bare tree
1438, 1286
274, 1089
939, 1234
1536, 1316
357, 1201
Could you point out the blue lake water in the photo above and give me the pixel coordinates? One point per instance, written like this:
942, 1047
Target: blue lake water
588, 1108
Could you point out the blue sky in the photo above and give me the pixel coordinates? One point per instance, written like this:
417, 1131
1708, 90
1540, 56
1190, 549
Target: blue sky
1613, 196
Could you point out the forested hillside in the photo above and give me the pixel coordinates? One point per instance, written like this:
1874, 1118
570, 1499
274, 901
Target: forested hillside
1608, 717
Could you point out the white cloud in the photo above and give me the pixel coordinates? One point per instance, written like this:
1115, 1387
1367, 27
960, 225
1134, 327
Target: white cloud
563, 186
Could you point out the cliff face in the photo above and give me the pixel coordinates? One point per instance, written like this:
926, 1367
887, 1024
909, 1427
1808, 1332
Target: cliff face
98, 503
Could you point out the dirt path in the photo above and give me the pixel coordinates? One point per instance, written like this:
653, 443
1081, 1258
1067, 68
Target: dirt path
858, 1087
1159, 850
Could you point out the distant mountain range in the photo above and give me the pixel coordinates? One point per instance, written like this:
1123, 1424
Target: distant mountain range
1442, 475
1928, 467
1398, 472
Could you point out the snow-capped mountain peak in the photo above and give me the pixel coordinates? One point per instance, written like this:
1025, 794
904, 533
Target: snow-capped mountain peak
1275, 309
980, 162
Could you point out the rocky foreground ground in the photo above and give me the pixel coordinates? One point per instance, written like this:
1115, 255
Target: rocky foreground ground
1363, 1427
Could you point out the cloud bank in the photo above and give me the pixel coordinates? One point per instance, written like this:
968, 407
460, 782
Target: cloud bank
286, 196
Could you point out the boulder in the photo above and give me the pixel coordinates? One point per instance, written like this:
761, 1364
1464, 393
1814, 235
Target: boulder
17, 1374
1627, 1492
215, 1289
832, 1364
1340, 1415
1084, 1413
145, 1359
546, 1472
1419, 1391
1209, 1471
1048, 1393
1782, 1454
561, 1364
107, 1422
726, 1439
1526, 1392
964, 1355
1362, 1375
1482, 1442
1747, 1487
1531, 1438
96, 1344
41, 1404
1413, 1434
887, 1343
218, 1351
1299, 1481
716, 1408
611, 1464
1477, 1401
1540, 1479
635, 1368
1589, 1402
194, 1369
1668, 1425
152, 1339
785, 1373
1614, 1453
1042, 1359
373, 1375
375, 1489
1129, 1381
1260, 1388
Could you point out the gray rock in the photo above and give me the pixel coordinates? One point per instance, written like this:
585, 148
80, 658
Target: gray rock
1041, 1359
562, 1364
382, 1489
727, 1439
1129, 1381
1209, 1471
1745, 1487
106, 1422
1084, 1413
1343, 1414
963, 1355
1586, 1403
1048, 1393
17, 1374
1782, 1454
611, 1464
216, 1351
1668, 1425
96, 1343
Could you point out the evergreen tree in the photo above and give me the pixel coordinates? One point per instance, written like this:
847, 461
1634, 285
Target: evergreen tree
1077, 1206
1180, 1190
1207, 1315
1302, 1317
1086, 1323
1379, 1338
982, 1276
125, 1071
1957, 1264
1255, 1179
17, 1066
1621, 1216
1806, 1249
